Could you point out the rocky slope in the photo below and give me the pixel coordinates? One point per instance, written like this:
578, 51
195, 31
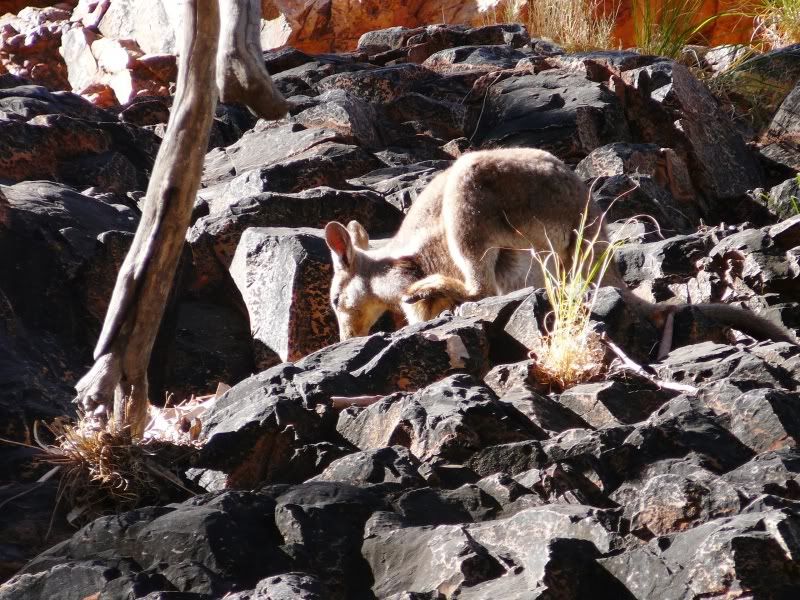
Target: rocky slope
465, 480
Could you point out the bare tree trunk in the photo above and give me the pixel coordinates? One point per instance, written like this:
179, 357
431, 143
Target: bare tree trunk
241, 74
137, 304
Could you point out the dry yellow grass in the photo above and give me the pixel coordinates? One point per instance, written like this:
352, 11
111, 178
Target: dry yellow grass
577, 25
572, 351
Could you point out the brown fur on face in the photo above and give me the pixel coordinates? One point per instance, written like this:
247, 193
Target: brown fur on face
469, 235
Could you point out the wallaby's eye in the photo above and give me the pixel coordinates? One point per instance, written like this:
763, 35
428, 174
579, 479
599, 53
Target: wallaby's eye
335, 301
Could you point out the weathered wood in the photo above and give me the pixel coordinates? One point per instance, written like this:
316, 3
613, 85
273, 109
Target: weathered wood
216, 55
137, 304
241, 74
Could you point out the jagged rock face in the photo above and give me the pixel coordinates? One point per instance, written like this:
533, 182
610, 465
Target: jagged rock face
462, 479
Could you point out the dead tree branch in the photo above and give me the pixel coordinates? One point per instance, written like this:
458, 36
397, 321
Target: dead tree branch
123, 350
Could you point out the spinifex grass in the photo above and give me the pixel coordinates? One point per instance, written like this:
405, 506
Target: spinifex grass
571, 351
104, 470
664, 28
578, 25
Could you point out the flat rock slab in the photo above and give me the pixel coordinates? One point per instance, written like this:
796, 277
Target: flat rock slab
613, 402
401, 185
537, 111
393, 464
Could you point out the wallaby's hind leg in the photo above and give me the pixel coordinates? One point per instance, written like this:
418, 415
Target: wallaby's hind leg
436, 286
471, 224
429, 297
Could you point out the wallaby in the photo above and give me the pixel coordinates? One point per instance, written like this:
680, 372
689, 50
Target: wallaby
469, 235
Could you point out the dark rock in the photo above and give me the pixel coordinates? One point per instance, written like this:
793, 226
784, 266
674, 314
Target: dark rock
214, 238
24, 102
599, 526
211, 545
760, 556
486, 58
302, 79
510, 459
624, 324
265, 144
445, 558
56, 276
418, 113
286, 586
146, 111
679, 428
613, 402
708, 362
255, 428
600, 65
383, 40
450, 420
543, 411
355, 119
665, 104
757, 259
562, 483
526, 324
324, 164
284, 277
630, 196
32, 522
380, 85
762, 419
783, 200
439, 37
283, 59
508, 493
211, 346
535, 111
673, 258
401, 185
322, 525
407, 360
394, 464
429, 506
783, 134
769, 77
662, 164
670, 503
776, 473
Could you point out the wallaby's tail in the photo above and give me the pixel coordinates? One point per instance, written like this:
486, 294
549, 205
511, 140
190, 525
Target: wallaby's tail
739, 318
745, 321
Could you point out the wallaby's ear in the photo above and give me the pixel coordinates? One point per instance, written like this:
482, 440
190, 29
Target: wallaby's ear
359, 235
338, 239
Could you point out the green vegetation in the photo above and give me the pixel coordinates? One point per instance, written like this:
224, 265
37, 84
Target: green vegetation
664, 28
572, 352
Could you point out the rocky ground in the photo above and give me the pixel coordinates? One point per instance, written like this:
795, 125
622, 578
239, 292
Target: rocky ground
466, 480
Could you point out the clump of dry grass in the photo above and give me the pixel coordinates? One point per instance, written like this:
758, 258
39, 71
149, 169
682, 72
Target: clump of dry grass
572, 351
578, 25
104, 469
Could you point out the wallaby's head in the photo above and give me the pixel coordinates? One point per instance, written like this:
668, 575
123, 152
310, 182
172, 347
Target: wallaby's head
353, 296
